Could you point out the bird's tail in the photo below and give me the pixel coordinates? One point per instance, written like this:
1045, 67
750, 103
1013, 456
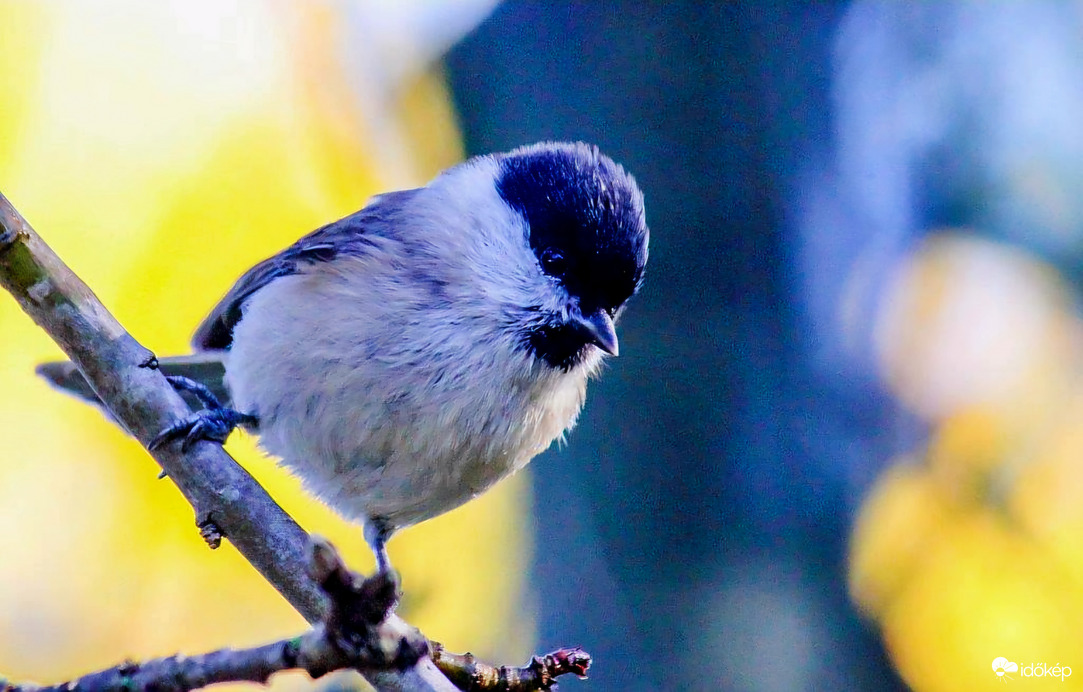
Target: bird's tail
207, 368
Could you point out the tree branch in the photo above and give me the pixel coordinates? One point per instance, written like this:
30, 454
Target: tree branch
318, 654
471, 675
120, 371
140, 399
355, 634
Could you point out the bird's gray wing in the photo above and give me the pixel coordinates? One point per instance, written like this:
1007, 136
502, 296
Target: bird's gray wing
351, 235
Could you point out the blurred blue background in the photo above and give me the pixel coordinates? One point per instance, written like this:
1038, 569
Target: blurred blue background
800, 161
699, 516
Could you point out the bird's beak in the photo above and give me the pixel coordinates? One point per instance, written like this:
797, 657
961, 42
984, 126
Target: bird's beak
598, 325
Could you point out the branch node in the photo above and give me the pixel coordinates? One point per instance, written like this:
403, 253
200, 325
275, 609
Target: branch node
359, 607
573, 660
208, 529
10, 237
13, 227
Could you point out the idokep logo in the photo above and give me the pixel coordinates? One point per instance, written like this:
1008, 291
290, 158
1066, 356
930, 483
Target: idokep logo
1002, 667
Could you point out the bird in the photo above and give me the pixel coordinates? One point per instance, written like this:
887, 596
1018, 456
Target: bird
402, 360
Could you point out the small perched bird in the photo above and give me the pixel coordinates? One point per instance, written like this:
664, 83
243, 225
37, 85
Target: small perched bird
404, 359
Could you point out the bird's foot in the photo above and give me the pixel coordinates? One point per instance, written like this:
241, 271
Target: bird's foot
208, 424
377, 532
215, 422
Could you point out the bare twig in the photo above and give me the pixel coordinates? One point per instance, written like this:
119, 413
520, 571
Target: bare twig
121, 373
355, 634
471, 675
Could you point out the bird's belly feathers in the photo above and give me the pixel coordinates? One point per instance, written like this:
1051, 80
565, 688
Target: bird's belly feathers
404, 437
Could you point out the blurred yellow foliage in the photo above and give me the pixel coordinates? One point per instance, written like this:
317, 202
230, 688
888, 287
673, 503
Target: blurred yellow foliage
983, 590
973, 549
162, 148
900, 517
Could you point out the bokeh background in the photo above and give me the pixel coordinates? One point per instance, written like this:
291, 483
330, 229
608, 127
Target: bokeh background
842, 448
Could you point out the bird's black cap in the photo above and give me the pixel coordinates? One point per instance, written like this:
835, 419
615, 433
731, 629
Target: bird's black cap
586, 227
582, 206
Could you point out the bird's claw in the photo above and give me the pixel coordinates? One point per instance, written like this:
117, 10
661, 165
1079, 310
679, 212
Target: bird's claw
208, 424
213, 423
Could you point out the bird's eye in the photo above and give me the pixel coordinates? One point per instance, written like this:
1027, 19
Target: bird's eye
553, 262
